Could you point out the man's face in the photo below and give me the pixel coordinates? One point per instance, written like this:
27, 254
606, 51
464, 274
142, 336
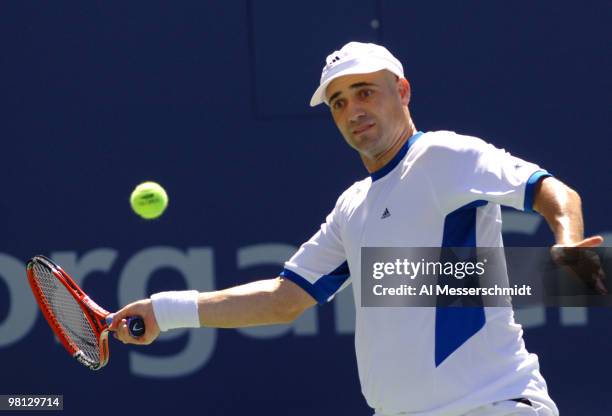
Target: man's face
369, 110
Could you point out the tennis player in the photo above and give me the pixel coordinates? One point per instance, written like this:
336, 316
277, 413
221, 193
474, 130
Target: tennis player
424, 189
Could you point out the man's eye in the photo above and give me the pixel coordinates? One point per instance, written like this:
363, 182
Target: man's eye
365, 93
338, 104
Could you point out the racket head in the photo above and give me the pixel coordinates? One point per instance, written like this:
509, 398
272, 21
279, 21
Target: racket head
77, 321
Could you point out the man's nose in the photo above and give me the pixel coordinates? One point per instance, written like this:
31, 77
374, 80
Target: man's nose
356, 113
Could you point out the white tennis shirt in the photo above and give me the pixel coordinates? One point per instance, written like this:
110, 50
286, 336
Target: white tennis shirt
441, 190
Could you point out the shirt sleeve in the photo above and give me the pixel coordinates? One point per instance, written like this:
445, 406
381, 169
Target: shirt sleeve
319, 266
470, 169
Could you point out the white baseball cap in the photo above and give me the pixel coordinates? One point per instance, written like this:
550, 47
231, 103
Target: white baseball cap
355, 58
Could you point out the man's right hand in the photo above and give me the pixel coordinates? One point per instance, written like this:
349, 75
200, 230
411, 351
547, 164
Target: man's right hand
142, 308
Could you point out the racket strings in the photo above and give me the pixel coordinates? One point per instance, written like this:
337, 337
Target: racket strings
67, 313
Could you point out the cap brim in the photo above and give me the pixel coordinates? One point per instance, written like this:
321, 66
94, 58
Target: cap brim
361, 68
318, 96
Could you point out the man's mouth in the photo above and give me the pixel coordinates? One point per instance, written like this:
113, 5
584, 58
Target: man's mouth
363, 128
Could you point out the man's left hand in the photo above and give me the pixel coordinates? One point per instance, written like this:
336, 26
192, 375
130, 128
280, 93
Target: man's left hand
584, 263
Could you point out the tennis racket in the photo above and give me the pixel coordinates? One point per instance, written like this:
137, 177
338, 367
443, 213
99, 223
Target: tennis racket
77, 321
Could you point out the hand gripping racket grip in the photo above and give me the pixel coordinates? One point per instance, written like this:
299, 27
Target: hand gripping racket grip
135, 324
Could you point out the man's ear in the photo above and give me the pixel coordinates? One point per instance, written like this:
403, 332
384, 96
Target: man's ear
404, 90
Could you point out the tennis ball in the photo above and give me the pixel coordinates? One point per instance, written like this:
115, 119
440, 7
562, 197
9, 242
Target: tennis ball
149, 200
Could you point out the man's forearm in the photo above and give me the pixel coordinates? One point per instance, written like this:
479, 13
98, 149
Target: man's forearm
562, 208
264, 302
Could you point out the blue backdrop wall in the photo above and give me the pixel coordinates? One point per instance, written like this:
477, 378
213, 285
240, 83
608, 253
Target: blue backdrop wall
211, 100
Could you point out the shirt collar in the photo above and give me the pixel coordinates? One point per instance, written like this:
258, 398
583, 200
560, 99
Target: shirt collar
376, 175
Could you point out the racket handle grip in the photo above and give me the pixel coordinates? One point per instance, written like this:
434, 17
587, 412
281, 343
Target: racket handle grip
136, 326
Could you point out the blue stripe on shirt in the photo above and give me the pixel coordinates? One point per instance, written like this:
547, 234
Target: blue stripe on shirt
455, 325
326, 286
531, 187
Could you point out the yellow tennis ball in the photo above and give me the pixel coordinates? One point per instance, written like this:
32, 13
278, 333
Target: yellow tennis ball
149, 200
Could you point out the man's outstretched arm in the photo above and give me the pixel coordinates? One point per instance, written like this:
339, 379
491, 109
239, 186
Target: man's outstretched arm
264, 302
561, 206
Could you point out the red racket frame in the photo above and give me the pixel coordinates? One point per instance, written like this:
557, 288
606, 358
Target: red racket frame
95, 314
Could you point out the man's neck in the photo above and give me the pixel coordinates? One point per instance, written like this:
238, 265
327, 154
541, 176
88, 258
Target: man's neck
372, 165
